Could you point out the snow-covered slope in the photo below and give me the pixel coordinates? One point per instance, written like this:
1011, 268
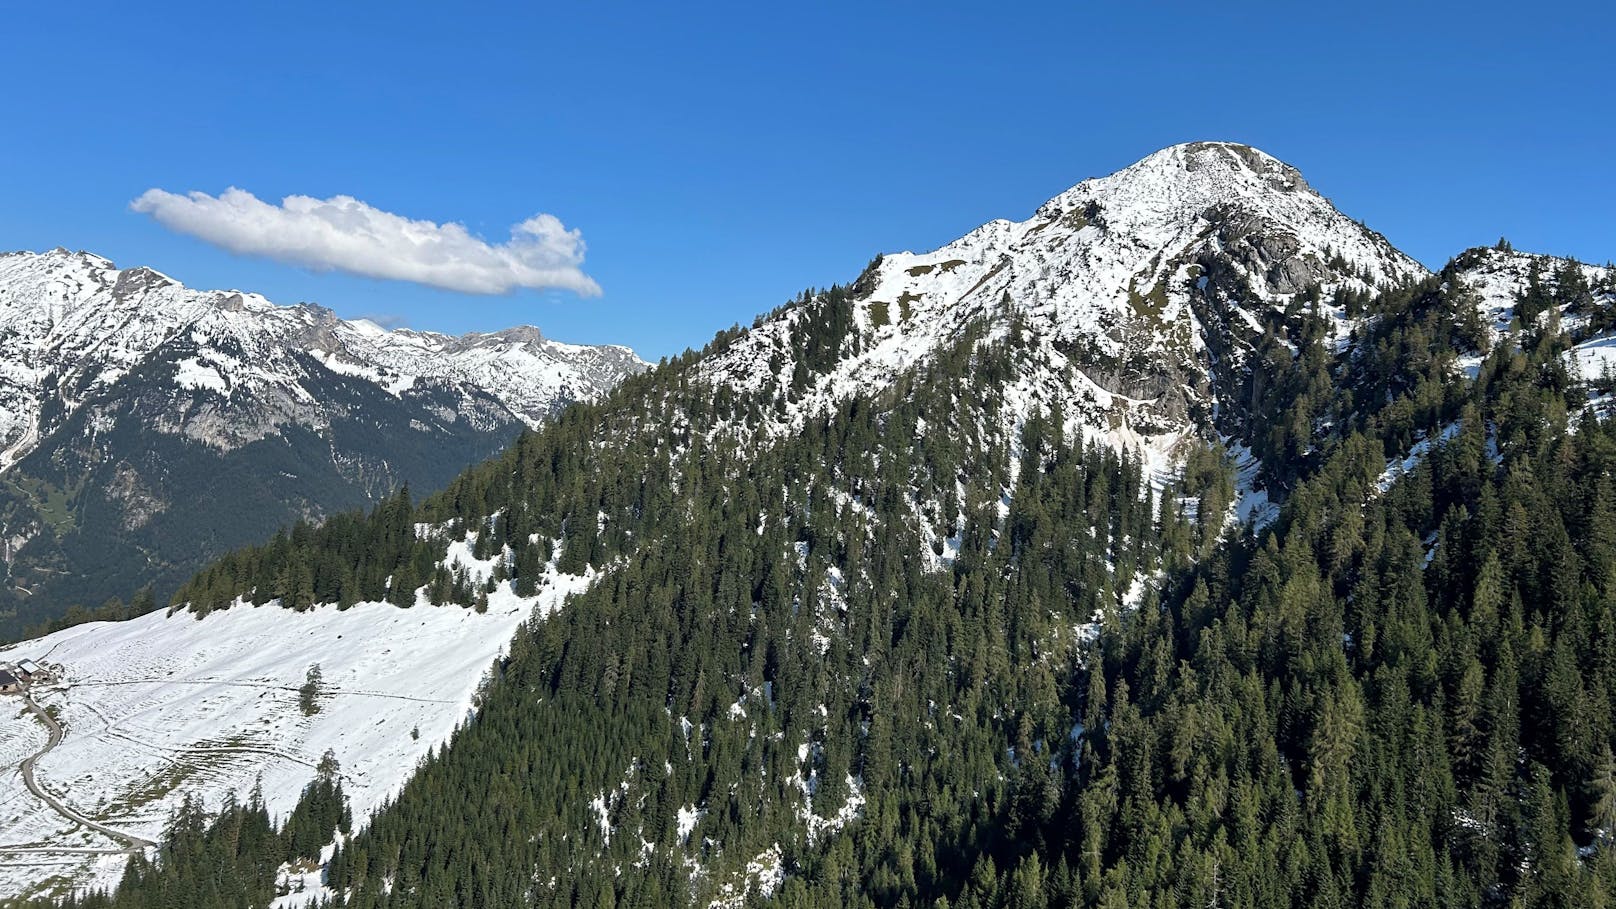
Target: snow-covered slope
72, 325
1500, 279
1141, 293
165, 705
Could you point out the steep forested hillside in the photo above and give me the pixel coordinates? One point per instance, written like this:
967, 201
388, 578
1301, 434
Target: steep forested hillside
936, 645
1400, 692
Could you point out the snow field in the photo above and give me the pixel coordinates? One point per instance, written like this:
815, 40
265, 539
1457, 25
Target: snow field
165, 705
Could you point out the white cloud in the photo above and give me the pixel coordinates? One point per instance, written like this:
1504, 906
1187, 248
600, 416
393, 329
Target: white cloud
386, 320
344, 234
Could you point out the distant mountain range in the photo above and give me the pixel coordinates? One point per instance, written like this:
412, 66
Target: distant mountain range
146, 427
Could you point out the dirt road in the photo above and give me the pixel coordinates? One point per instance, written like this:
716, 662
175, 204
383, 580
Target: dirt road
131, 843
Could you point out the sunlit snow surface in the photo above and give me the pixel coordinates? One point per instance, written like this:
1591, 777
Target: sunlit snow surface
1498, 277
1069, 267
164, 705
73, 325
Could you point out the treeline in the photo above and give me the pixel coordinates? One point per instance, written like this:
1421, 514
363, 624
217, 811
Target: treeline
351, 557
113, 610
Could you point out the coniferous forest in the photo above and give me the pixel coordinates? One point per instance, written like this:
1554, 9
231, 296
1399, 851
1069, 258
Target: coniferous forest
917, 658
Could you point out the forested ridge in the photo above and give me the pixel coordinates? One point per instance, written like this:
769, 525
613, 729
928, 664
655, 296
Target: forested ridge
914, 656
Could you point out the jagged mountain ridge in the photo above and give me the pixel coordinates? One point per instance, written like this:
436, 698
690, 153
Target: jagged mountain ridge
124, 394
1144, 292
72, 324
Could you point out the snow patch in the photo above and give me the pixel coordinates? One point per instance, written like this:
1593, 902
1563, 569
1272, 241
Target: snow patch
193, 374
761, 878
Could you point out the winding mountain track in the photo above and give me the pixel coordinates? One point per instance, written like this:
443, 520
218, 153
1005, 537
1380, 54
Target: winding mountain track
130, 842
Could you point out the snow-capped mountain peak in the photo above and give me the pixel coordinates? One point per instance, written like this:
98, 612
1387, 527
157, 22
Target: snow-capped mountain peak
1179, 193
1142, 292
73, 324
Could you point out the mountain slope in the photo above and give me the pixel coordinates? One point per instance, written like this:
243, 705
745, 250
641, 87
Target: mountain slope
1156, 286
846, 446
1515, 290
147, 426
163, 706
948, 610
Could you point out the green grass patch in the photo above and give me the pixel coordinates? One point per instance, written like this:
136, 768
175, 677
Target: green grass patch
158, 786
53, 504
1148, 308
55, 887
1148, 305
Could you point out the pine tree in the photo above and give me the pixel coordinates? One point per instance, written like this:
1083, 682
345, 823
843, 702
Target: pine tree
308, 694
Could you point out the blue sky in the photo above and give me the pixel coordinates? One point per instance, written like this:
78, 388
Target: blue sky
719, 158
